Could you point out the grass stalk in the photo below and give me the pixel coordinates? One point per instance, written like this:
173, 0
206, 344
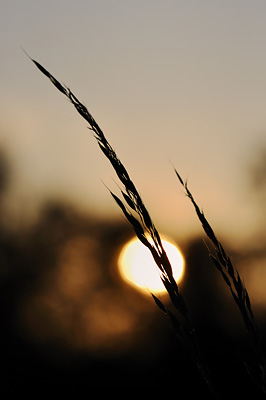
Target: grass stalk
139, 218
238, 291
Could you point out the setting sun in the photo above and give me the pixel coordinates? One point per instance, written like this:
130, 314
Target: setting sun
137, 267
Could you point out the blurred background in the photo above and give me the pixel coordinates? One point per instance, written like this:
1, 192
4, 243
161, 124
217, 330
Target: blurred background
170, 83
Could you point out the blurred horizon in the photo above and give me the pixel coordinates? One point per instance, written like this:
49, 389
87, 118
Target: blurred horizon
69, 320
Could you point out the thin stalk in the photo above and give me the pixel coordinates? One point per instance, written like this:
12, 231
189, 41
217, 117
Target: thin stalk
238, 291
139, 218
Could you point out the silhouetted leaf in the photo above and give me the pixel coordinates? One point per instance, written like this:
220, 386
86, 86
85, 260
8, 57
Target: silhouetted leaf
119, 202
219, 267
249, 305
143, 239
128, 200
135, 223
159, 303
51, 77
179, 177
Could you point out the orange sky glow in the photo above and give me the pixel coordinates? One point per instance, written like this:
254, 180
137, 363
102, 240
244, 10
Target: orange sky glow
172, 83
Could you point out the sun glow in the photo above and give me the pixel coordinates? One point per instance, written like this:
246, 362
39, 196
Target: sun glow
137, 266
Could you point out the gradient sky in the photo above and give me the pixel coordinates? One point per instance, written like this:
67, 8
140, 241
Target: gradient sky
179, 82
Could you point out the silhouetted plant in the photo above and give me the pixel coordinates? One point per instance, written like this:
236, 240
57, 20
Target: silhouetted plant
237, 288
139, 218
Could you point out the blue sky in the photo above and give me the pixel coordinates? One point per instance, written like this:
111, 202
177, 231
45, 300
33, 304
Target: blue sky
179, 81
